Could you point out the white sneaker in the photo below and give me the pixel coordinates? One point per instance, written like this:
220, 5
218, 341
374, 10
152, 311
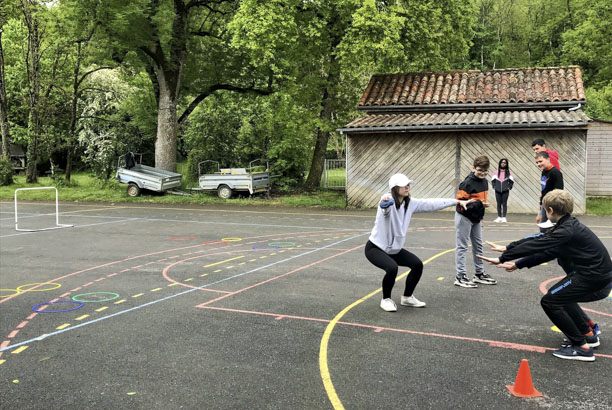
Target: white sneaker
504, 221
498, 219
411, 301
388, 305
546, 224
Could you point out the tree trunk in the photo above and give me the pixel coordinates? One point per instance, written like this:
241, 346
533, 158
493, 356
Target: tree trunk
73, 112
33, 65
327, 103
167, 121
4, 125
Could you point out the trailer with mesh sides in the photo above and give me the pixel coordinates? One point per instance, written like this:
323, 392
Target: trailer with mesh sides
226, 181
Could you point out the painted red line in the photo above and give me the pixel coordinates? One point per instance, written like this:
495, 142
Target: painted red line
98, 280
174, 257
125, 270
112, 274
7, 298
75, 289
278, 277
544, 290
12, 334
32, 316
280, 317
492, 343
63, 295
87, 284
137, 267
5, 343
165, 259
22, 324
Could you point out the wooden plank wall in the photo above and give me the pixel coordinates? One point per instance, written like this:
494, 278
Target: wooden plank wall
430, 159
599, 159
516, 147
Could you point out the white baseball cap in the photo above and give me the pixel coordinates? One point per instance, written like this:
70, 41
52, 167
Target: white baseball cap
399, 180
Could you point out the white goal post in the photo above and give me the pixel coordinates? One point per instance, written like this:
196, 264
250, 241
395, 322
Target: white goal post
57, 224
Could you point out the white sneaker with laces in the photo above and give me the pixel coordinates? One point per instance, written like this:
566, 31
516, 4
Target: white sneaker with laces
388, 305
412, 302
498, 219
504, 221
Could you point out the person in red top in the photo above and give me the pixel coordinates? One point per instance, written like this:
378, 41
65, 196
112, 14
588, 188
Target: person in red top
538, 145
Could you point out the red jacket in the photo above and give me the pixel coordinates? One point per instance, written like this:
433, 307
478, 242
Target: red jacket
554, 158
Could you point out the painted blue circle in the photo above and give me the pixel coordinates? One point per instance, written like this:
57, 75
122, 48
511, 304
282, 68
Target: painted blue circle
80, 305
265, 247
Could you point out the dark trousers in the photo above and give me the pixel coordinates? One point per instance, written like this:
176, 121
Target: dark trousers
390, 263
561, 304
502, 203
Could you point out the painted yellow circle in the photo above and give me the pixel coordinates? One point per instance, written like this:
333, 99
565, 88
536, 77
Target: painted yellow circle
555, 329
13, 292
55, 286
231, 239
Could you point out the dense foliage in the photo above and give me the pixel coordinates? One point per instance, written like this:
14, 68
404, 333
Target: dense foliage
234, 81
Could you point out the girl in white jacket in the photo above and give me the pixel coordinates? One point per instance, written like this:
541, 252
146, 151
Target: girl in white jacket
384, 247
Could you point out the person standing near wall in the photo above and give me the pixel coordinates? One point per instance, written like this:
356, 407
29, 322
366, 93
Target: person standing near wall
551, 179
502, 182
538, 145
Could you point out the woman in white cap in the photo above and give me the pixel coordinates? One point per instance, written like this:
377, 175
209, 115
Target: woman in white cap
384, 247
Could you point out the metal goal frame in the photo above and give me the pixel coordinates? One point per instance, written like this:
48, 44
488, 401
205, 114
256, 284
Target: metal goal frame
57, 224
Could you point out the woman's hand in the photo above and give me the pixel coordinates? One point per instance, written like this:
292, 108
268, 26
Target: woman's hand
492, 261
464, 203
496, 248
385, 198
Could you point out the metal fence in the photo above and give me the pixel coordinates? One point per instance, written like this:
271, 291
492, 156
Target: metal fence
334, 175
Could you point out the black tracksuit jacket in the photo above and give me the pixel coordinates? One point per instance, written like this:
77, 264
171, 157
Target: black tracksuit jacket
577, 249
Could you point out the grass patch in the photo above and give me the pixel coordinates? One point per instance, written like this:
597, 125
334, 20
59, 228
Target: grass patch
84, 188
599, 206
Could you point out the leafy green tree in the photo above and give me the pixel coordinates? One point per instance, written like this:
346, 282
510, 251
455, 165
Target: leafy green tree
338, 44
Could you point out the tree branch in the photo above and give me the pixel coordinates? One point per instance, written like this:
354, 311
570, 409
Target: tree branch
228, 87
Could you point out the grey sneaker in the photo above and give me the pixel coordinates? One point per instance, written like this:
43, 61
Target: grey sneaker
464, 282
485, 279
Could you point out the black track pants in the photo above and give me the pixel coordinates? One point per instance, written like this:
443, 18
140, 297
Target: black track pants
390, 263
502, 203
561, 304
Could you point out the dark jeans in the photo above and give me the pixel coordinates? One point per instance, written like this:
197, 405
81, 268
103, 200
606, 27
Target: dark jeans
390, 263
502, 203
561, 304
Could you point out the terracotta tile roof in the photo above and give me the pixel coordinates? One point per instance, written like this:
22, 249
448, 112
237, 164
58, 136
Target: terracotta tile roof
522, 85
469, 120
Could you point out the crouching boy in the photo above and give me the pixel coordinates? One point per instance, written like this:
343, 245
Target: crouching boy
586, 260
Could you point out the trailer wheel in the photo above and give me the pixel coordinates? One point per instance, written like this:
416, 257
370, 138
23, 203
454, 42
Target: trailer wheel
133, 189
224, 192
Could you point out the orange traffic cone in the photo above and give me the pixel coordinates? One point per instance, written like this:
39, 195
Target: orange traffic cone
523, 385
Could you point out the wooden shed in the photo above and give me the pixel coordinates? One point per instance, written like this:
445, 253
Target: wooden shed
599, 158
432, 125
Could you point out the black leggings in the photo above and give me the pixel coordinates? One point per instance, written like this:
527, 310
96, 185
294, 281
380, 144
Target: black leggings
502, 203
389, 264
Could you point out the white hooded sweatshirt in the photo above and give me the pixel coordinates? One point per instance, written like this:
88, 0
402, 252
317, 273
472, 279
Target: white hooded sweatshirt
389, 232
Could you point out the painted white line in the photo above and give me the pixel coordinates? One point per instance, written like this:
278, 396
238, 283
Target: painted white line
10, 347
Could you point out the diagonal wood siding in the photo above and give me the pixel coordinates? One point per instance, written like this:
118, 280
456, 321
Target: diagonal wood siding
430, 160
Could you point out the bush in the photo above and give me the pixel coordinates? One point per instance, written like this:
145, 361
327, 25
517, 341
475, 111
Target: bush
6, 172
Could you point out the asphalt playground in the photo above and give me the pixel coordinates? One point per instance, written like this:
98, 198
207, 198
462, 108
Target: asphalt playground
187, 307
